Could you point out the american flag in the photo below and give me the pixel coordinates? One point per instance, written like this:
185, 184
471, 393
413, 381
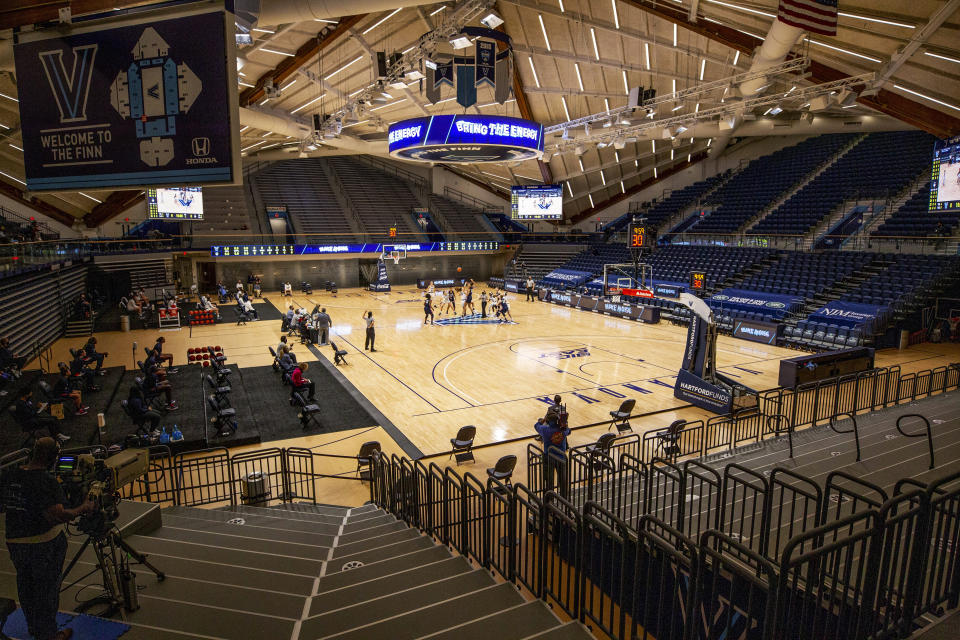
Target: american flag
816, 16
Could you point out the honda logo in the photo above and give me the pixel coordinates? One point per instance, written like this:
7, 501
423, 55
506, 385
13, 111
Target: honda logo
201, 146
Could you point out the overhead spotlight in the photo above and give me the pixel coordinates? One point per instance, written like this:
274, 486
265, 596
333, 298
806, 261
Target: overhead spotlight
579, 150
680, 129
607, 123
848, 99
414, 74
602, 145
430, 64
619, 143
460, 42
491, 20
777, 110
566, 134
398, 84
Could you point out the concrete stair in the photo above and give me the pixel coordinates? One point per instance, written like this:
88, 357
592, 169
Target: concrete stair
304, 571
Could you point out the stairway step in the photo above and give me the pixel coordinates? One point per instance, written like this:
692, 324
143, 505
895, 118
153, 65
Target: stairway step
399, 602
392, 537
255, 520
372, 532
319, 518
570, 631
512, 624
215, 554
367, 523
377, 554
384, 567
384, 585
308, 507
242, 539
443, 615
252, 531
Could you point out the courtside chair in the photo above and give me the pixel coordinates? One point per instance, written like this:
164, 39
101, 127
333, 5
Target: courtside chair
365, 459
308, 410
462, 445
503, 470
221, 393
621, 417
339, 355
667, 442
276, 359
600, 451
225, 418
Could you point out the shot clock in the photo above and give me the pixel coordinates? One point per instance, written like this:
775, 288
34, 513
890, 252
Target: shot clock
698, 280
638, 236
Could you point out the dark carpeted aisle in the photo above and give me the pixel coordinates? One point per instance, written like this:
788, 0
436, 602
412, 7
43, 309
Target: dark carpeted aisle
277, 420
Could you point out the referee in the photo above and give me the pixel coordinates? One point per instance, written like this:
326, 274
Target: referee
371, 332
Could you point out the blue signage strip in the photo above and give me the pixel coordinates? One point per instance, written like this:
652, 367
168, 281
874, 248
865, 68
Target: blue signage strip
134, 105
849, 314
261, 250
765, 332
770, 304
465, 138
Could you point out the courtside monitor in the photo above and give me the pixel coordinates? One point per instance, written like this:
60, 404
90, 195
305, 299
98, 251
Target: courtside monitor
179, 203
945, 179
541, 202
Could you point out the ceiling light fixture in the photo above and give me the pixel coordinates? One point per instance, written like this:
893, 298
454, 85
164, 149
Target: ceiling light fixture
736, 58
544, 30
623, 189
940, 56
381, 21
603, 177
436, 11
677, 108
576, 66
85, 195
15, 146
847, 51
279, 53
590, 196
460, 42
926, 97
491, 20
344, 67
616, 16
307, 104
893, 23
245, 84
569, 189
596, 50
561, 6
703, 67
581, 165
654, 172
536, 78
258, 29
674, 35
646, 53
626, 85
737, 7
566, 112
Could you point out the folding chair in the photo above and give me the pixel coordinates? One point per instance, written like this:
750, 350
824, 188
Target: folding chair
667, 442
339, 355
138, 421
220, 392
224, 418
461, 446
365, 458
503, 470
276, 359
621, 417
308, 410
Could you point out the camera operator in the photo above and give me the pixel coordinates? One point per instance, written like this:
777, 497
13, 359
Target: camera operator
33, 501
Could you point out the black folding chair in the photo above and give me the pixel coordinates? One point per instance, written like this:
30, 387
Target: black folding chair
668, 441
224, 418
621, 417
307, 409
461, 446
365, 459
503, 470
339, 355
220, 392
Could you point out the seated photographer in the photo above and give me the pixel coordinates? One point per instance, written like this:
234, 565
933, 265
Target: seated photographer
92, 355
140, 409
32, 417
35, 514
63, 388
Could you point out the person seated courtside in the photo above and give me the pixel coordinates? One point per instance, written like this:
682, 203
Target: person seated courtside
248, 308
301, 384
62, 388
206, 305
9, 360
152, 384
92, 355
140, 408
134, 307
32, 417
287, 289
79, 370
160, 357
288, 361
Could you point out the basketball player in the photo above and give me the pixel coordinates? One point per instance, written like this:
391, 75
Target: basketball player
468, 300
451, 302
505, 309
427, 310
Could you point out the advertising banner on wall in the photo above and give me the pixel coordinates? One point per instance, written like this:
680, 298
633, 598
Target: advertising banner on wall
768, 303
132, 104
849, 314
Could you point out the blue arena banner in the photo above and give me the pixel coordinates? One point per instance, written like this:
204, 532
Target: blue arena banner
134, 105
485, 63
849, 314
771, 304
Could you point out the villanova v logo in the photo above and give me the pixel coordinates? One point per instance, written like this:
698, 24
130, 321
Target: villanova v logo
70, 90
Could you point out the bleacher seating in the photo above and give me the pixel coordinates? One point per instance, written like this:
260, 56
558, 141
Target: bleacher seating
913, 218
765, 180
806, 274
312, 207
380, 200
677, 201
226, 210
540, 259
879, 166
461, 218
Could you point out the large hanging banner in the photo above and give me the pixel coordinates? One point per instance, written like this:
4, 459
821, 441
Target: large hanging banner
466, 91
130, 104
485, 63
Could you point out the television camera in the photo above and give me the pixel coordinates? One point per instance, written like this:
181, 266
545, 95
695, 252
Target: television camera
86, 476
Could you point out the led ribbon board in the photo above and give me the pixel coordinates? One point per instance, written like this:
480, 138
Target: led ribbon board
466, 139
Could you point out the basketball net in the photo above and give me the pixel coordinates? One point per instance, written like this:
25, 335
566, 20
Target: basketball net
395, 255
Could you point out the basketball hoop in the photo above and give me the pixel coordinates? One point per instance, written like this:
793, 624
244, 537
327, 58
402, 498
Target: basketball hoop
614, 291
395, 256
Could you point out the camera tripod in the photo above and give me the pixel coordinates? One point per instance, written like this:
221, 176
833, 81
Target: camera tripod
112, 553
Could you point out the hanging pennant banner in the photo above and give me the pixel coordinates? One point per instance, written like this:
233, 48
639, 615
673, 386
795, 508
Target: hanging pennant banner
443, 75
486, 61
433, 89
466, 91
504, 74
